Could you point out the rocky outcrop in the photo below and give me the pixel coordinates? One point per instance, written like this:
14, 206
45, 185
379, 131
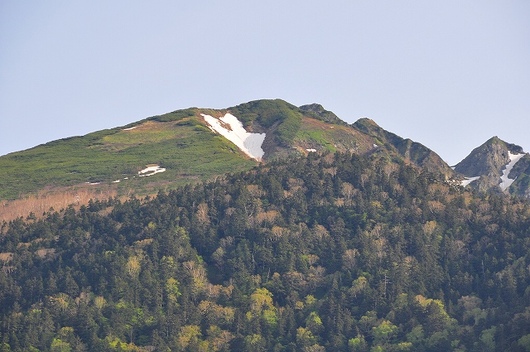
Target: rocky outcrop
492, 162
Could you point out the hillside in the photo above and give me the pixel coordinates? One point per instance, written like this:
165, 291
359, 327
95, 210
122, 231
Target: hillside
182, 147
324, 252
181, 142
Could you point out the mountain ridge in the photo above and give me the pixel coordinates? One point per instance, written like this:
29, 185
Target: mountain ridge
184, 145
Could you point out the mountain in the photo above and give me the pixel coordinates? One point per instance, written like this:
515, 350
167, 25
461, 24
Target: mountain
276, 228
199, 144
183, 143
186, 146
497, 166
324, 252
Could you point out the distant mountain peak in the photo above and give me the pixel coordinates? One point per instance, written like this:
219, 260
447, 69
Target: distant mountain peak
497, 165
488, 157
366, 124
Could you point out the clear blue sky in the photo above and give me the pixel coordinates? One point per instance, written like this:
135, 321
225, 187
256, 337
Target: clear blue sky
448, 74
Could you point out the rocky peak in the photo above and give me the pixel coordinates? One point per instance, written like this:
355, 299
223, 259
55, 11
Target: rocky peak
485, 160
498, 166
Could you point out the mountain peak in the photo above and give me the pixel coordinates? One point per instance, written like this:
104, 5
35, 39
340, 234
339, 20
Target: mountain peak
485, 159
496, 165
317, 111
494, 139
513, 148
366, 124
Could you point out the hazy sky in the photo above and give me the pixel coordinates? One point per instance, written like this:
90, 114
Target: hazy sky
449, 74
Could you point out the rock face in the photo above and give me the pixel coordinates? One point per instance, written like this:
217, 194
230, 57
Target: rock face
501, 166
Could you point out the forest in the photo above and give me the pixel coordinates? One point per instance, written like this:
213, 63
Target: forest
329, 252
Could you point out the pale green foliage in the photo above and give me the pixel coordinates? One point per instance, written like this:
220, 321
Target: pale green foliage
524, 342
487, 338
60, 346
314, 323
172, 290
304, 337
357, 344
384, 331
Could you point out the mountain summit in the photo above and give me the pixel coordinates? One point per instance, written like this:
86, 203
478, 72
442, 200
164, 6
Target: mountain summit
497, 166
195, 144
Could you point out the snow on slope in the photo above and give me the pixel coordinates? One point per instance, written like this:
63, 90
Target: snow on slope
150, 170
468, 180
505, 181
232, 129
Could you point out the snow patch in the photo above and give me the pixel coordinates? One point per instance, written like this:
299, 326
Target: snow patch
150, 170
468, 180
505, 181
311, 150
130, 128
232, 129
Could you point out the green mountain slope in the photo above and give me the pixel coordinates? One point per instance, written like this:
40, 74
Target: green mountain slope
179, 142
188, 150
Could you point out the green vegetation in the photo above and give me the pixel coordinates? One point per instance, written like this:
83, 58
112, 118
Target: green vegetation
269, 113
265, 112
175, 115
319, 137
288, 128
185, 148
333, 252
180, 142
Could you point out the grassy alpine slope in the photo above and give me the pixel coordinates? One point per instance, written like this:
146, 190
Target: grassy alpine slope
180, 142
185, 147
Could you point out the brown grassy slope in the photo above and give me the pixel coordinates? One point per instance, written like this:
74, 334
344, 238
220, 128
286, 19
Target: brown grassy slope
56, 199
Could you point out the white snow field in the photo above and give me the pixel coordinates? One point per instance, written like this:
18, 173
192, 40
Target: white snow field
505, 181
150, 170
468, 180
232, 129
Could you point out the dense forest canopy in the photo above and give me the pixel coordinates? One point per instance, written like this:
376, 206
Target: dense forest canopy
333, 252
